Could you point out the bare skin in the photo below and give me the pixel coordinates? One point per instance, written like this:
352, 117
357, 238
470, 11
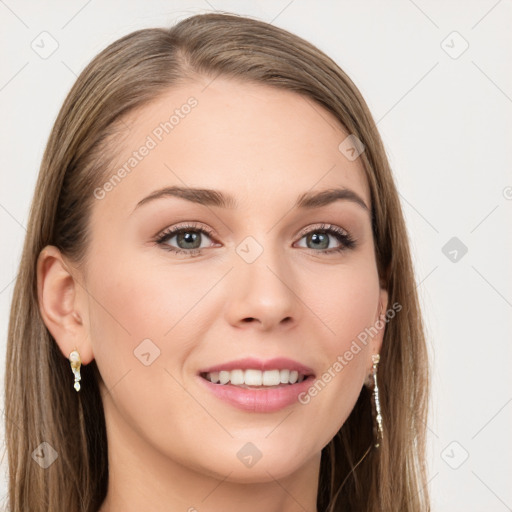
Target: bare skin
172, 444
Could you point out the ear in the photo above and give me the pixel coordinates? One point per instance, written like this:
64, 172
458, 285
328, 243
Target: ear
380, 325
63, 303
380, 319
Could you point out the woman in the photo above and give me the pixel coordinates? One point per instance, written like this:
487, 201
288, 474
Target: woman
216, 304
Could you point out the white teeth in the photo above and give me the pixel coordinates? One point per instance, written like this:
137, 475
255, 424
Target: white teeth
253, 377
256, 377
224, 377
237, 377
271, 378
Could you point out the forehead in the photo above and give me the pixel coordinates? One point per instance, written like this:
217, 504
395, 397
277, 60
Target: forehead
253, 141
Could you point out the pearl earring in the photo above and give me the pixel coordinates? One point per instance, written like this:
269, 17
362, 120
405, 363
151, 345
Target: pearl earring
75, 361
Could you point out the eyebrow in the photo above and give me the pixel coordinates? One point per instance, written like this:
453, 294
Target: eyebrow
209, 197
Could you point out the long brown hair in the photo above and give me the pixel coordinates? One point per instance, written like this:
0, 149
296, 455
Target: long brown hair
41, 404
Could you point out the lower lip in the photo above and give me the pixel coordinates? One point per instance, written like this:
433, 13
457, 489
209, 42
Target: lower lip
259, 400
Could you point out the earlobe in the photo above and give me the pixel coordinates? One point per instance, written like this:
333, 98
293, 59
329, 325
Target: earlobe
60, 304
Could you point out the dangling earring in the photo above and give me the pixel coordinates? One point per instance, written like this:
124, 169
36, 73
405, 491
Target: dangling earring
75, 361
378, 415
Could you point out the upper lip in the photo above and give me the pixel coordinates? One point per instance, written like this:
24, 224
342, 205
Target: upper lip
249, 363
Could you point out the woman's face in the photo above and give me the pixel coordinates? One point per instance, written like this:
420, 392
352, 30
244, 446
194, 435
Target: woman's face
255, 278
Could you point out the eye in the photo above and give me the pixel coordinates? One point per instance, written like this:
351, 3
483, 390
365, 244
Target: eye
318, 238
188, 238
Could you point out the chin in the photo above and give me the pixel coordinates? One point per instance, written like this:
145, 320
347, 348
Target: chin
248, 464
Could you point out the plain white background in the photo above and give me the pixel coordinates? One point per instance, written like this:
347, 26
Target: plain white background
436, 77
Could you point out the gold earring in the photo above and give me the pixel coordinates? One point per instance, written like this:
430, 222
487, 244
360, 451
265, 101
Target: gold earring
378, 415
75, 361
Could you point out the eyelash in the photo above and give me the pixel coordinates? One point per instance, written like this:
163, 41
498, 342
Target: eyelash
346, 241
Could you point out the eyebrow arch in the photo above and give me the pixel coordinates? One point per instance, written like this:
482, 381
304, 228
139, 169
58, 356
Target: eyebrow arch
209, 197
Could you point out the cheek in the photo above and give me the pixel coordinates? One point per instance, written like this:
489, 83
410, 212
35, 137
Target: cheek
353, 321
142, 328
139, 308
346, 302
146, 301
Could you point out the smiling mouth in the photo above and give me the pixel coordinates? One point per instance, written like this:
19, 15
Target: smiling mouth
256, 379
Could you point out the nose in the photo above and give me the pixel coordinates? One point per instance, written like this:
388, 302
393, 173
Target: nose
263, 293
